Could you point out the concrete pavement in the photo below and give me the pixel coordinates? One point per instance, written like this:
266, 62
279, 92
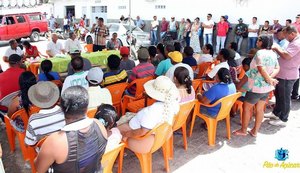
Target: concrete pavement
240, 154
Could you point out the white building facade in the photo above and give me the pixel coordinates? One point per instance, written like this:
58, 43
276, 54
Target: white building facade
235, 9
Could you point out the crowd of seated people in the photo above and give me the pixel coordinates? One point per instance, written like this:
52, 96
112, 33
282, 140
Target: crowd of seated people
64, 112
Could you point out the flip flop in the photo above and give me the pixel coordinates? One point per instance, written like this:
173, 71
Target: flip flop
238, 133
251, 133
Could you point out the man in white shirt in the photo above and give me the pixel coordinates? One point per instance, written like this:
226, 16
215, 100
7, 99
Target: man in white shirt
72, 43
153, 32
13, 49
97, 95
223, 56
253, 33
54, 47
79, 77
208, 30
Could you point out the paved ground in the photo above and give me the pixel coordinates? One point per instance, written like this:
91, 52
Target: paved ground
240, 154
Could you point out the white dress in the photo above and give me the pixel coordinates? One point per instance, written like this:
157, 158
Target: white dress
195, 44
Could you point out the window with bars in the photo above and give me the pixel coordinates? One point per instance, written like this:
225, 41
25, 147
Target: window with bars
99, 9
160, 6
122, 7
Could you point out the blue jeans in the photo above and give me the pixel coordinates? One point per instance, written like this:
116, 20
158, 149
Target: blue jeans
163, 34
153, 35
207, 39
188, 39
251, 43
283, 99
239, 40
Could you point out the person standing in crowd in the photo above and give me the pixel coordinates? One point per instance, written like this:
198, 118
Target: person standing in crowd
114, 43
265, 29
52, 22
187, 31
153, 31
163, 27
181, 30
295, 92
66, 24
297, 23
101, 32
222, 29
173, 27
195, 43
241, 32
288, 22
274, 28
13, 49
289, 62
208, 26
253, 34
54, 47
263, 69
139, 23
72, 43
86, 138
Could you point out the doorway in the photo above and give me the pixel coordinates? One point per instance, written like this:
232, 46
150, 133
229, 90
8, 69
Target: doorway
70, 11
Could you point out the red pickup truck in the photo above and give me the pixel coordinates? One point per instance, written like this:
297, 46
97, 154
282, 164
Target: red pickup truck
23, 25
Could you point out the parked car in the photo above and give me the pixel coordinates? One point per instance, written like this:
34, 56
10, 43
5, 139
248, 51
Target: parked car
22, 25
139, 37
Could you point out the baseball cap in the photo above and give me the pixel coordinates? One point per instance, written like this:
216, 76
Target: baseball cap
240, 19
14, 58
175, 56
298, 16
124, 50
74, 52
143, 54
95, 75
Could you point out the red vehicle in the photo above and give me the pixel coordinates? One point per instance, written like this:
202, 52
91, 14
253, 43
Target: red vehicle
23, 25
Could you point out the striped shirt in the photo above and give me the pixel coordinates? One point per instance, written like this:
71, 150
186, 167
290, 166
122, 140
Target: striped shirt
114, 77
140, 71
101, 32
44, 123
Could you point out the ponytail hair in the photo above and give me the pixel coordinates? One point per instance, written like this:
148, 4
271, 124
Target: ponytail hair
46, 66
224, 75
210, 48
183, 77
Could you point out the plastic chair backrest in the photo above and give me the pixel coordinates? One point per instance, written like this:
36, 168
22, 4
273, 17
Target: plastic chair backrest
23, 114
226, 105
5, 101
91, 113
203, 68
195, 84
58, 83
162, 133
109, 158
116, 91
182, 115
140, 85
88, 48
194, 67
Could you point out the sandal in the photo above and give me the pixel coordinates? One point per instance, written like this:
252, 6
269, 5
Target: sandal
251, 133
239, 133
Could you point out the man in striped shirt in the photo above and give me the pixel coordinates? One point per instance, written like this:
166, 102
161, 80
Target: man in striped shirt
142, 70
50, 118
101, 32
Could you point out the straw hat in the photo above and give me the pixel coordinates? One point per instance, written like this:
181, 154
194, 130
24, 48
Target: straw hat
43, 94
161, 88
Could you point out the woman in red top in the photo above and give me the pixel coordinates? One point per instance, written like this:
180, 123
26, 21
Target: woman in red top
31, 51
222, 29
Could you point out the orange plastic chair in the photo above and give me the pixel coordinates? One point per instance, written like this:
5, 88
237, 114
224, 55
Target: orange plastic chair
58, 83
137, 105
91, 113
180, 122
224, 113
34, 68
194, 67
162, 133
139, 93
88, 48
195, 84
116, 92
204, 68
202, 81
109, 158
11, 132
31, 150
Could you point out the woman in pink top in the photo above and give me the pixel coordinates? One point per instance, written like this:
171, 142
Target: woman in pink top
222, 29
263, 68
183, 83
